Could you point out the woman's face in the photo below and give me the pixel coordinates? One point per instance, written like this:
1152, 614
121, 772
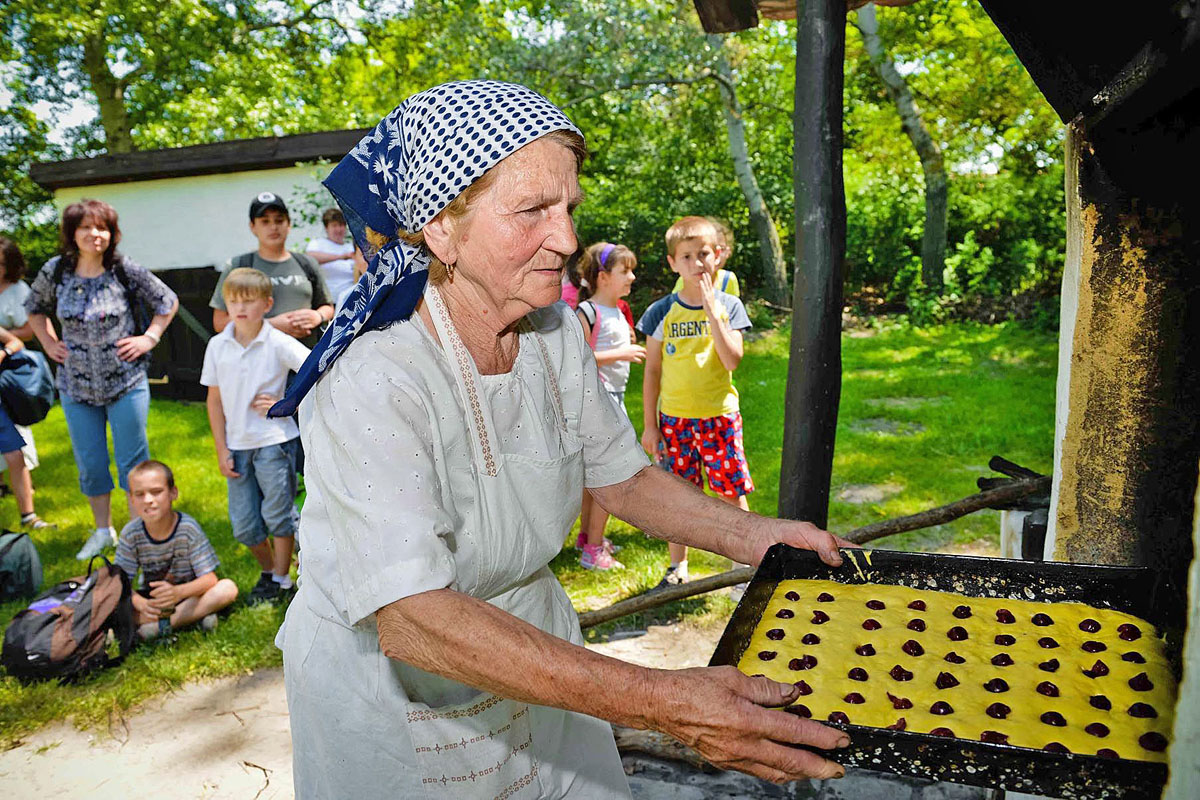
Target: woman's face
92, 236
514, 242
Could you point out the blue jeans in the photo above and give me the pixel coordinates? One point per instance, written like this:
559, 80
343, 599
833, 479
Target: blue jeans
85, 423
261, 502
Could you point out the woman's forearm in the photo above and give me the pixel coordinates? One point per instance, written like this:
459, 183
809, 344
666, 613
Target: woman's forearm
160, 322
668, 507
502, 654
24, 332
43, 330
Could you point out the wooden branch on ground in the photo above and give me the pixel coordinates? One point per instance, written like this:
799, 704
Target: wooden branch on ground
670, 594
867, 533
950, 512
656, 744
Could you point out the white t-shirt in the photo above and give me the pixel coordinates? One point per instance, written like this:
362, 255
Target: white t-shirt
243, 372
339, 275
12, 306
613, 332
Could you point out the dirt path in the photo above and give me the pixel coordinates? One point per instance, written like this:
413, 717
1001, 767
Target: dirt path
235, 743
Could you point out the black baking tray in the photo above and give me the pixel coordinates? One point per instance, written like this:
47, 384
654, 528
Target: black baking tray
1135, 590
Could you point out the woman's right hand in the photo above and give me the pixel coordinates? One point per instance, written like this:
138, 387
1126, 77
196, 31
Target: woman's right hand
735, 722
57, 351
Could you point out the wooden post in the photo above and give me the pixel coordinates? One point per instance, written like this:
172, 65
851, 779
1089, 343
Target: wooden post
815, 367
1128, 434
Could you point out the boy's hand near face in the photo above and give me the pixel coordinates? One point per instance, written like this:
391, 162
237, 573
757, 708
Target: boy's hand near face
708, 295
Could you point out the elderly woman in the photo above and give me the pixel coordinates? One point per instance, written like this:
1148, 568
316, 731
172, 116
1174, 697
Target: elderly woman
430, 651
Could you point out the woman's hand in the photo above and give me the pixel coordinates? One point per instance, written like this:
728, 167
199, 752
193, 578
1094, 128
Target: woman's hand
131, 348
57, 351
801, 535
634, 353
732, 720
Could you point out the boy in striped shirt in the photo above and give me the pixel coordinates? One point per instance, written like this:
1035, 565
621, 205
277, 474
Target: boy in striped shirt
179, 584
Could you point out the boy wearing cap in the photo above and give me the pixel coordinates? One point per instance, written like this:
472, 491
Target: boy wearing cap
302, 302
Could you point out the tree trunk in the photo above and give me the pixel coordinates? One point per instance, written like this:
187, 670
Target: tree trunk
815, 365
110, 94
933, 245
773, 267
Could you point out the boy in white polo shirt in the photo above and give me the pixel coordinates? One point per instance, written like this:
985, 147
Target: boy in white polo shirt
245, 369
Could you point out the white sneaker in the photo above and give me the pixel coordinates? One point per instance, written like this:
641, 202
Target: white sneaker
209, 623
94, 546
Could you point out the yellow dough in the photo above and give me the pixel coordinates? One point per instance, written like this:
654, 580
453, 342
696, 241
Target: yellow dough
835, 656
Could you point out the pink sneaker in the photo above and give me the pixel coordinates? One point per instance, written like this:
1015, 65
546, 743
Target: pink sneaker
581, 540
596, 557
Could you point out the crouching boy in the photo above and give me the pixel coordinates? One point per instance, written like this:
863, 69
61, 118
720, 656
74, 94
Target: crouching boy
245, 369
179, 584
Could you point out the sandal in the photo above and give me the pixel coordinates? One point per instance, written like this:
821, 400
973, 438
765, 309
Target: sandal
36, 523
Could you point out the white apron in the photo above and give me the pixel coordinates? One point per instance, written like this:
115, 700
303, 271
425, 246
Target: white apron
419, 735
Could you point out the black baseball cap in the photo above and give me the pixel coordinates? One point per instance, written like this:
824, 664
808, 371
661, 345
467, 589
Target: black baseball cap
267, 200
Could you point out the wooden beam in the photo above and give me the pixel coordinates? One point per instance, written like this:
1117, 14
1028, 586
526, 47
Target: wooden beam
815, 367
1129, 425
204, 159
726, 16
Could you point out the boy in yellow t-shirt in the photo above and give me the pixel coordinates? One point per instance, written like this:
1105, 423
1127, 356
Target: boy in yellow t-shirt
693, 344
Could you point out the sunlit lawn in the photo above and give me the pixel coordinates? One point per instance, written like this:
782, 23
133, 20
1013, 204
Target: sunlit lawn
922, 411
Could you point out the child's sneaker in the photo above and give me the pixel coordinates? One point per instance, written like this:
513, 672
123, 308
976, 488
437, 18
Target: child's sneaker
155, 630
596, 557
265, 591
209, 623
608, 544
674, 577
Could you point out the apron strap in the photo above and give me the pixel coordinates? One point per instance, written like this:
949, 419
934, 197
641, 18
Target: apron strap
467, 377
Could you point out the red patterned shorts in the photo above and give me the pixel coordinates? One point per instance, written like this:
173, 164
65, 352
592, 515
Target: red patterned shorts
715, 442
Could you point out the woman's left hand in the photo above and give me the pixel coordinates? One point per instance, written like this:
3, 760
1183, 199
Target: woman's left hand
801, 535
131, 348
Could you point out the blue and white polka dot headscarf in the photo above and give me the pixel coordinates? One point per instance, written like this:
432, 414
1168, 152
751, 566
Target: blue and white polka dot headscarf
399, 177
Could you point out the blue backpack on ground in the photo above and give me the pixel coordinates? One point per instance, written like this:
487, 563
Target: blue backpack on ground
26, 386
20, 567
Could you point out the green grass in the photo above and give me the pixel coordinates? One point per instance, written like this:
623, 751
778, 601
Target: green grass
922, 410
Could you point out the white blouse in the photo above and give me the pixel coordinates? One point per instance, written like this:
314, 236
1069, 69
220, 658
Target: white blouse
389, 458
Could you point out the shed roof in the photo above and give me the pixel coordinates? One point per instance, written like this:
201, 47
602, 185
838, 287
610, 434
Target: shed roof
239, 155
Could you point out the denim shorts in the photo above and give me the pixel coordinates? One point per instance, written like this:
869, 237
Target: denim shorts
262, 500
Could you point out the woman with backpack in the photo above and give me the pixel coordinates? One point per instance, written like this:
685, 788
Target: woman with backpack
112, 313
16, 441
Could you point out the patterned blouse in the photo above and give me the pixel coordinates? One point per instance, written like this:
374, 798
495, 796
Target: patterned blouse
94, 314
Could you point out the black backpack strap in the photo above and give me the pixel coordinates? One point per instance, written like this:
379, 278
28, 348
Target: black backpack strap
245, 260
309, 265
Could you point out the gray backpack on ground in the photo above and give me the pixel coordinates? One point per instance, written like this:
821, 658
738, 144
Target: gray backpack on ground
20, 567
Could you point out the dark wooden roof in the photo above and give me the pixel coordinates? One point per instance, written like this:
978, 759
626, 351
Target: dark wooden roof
240, 155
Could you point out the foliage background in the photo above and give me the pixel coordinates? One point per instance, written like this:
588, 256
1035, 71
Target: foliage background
632, 75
